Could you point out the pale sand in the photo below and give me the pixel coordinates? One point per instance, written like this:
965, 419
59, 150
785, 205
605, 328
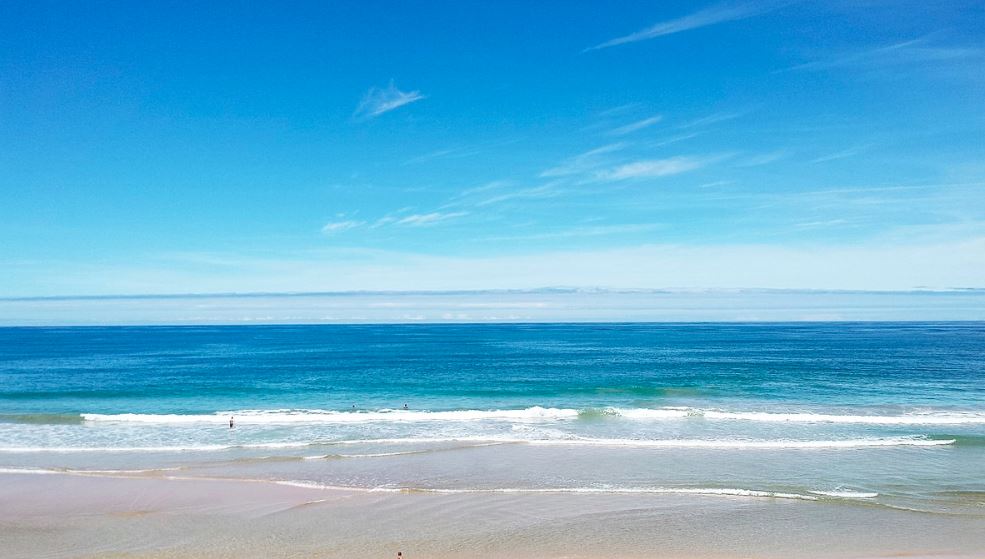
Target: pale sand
88, 517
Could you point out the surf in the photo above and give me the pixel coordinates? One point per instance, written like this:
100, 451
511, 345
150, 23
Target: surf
530, 414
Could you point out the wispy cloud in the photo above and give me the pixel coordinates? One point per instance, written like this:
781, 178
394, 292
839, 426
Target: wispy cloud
549, 190
673, 140
441, 154
713, 119
914, 51
763, 158
498, 191
618, 110
339, 226
584, 231
711, 15
491, 185
381, 100
583, 162
653, 168
717, 183
422, 220
821, 224
843, 154
437, 154
634, 126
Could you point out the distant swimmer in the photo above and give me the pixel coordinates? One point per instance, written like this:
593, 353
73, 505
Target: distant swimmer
230, 422
405, 406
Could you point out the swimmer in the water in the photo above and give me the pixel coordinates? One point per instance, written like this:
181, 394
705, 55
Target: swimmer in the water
230, 422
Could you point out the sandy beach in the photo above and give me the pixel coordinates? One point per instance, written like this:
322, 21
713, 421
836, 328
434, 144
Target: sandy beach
62, 516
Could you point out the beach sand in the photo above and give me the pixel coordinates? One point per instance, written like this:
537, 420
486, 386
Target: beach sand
110, 517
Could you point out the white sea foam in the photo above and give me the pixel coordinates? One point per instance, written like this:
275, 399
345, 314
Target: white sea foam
254, 417
305, 484
595, 490
160, 449
29, 471
534, 415
478, 441
675, 443
929, 418
847, 494
726, 492
69, 471
750, 444
68, 449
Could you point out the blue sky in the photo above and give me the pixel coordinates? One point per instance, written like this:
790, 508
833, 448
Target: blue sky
177, 148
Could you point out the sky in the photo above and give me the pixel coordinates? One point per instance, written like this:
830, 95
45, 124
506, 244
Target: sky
174, 147
498, 306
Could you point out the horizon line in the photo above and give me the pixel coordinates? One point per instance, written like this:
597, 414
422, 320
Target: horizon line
499, 291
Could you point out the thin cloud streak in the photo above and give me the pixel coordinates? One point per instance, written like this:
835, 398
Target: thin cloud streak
712, 15
634, 126
851, 152
589, 231
913, 51
713, 119
339, 226
583, 162
398, 218
549, 190
654, 168
422, 220
383, 100
764, 158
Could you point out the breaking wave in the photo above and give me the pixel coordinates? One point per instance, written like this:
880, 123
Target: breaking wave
473, 442
537, 414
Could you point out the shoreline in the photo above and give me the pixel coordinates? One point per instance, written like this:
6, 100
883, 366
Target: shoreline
88, 516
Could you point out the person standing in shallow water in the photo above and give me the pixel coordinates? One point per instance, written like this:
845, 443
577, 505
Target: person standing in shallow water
230, 422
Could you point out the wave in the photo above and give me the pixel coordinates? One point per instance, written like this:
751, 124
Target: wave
253, 417
922, 418
30, 471
928, 418
473, 442
467, 444
750, 444
533, 414
70, 471
159, 449
711, 491
847, 494
305, 484
725, 492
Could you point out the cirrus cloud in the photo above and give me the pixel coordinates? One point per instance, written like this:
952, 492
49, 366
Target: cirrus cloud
380, 100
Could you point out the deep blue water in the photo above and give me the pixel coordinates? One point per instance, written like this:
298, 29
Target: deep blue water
441, 367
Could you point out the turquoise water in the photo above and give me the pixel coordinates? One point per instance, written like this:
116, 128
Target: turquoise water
890, 414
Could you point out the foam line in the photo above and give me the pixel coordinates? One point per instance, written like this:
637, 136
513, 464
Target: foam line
740, 444
535, 414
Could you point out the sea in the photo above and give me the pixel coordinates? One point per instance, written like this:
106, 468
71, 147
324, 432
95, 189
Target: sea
869, 414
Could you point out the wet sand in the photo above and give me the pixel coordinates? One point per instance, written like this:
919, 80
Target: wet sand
61, 516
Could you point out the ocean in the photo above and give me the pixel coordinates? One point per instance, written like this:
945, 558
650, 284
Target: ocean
873, 414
